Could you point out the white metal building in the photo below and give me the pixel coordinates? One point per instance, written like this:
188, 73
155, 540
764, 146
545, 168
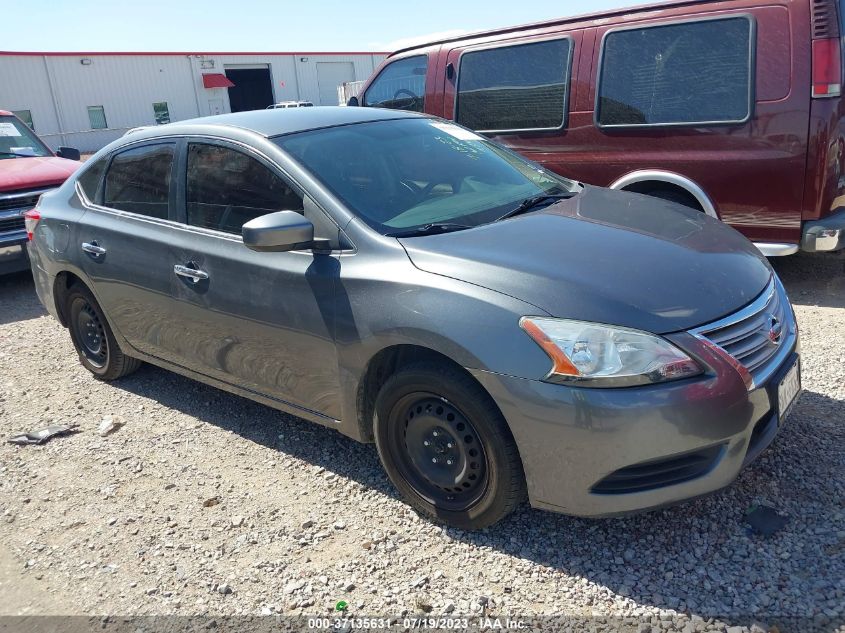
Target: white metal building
86, 100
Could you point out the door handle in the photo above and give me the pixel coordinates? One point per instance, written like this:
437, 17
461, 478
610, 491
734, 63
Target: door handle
194, 274
92, 248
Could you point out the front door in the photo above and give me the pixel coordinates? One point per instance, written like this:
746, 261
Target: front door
263, 321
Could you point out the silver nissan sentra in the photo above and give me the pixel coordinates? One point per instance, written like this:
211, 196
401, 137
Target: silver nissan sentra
498, 331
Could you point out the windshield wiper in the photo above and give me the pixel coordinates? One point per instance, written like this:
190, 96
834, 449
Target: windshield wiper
430, 229
535, 201
18, 155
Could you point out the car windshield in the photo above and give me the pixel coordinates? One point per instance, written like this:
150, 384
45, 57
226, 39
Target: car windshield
17, 140
406, 174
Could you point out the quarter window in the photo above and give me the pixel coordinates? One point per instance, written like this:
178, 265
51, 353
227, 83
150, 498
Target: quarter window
91, 177
510, 88
97, 117
400, 86
138, 180
226, 188
693, 73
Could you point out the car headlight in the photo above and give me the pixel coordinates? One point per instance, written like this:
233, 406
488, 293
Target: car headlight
607, 356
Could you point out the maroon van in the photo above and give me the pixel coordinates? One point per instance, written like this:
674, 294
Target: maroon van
730, 106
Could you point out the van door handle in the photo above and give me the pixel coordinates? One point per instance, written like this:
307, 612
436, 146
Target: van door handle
92, 248
194, 274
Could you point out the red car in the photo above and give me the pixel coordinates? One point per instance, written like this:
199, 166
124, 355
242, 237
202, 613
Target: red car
730, 106
28, 168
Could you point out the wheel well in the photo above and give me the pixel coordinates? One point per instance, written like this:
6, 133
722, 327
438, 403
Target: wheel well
657, 187
383, 365
64, 282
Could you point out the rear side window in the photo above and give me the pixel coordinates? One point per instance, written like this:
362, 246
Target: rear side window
400, 85
512, 88
138, 180
91, 178
693, 73
226, 188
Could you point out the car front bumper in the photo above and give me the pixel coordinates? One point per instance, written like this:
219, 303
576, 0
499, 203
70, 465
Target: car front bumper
605, 452
827, 234
13, 254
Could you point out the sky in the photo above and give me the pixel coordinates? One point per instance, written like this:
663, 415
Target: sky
263, 25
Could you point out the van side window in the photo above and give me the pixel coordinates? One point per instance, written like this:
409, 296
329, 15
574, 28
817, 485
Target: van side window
510, 88
399, 86
138, 180
694, 73
226, 188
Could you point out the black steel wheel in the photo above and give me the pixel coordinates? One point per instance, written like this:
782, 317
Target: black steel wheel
446, 446
92, 336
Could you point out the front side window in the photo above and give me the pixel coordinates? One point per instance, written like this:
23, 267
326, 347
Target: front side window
138, 180
18, 141
26, 117
698, 72
400, 86
511, 88
400, 175
97, 117
226, 188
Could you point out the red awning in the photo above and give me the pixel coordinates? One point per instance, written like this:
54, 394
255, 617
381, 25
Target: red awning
216, 80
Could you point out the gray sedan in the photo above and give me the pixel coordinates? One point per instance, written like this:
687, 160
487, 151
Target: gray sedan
498, 331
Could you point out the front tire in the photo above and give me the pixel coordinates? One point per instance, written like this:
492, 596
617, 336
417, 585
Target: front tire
446, 447
93, 339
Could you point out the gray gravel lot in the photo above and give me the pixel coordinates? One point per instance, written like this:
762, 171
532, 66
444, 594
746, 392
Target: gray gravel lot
205, 503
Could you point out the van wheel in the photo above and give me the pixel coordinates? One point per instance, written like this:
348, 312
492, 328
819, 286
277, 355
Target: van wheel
446, 447
93, 339
673, 195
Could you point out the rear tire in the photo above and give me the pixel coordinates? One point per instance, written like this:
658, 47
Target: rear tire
93, 339
678, 197
446, 447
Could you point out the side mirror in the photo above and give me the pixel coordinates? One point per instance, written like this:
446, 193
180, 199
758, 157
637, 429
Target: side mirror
353, 101
279, 231
70, 153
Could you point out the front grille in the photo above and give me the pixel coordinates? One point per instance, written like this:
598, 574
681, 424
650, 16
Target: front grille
755, 334
11, 224
659, 473
19, 201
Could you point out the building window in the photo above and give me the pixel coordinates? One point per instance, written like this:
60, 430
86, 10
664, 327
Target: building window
25, 116
138, 180
677, 74
97, 117
227, 189
400, 86
161, 113
511, 88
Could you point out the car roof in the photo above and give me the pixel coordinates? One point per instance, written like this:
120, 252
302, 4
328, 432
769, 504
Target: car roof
279, 121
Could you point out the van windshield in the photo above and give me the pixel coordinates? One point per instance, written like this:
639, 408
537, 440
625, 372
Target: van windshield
18, 141
405, 174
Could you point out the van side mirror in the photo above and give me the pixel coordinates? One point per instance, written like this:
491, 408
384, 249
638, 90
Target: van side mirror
70, 153
278, 232
353, 101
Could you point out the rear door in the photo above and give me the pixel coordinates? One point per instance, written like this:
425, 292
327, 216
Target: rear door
124, 239
516, 91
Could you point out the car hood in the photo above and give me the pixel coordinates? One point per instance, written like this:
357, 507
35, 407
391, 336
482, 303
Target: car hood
609, 257
34, 172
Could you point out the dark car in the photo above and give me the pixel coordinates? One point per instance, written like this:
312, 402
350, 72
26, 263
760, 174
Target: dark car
496, 329
28, 168
731, 107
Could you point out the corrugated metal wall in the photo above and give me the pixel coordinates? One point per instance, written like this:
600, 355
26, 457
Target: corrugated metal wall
58, 89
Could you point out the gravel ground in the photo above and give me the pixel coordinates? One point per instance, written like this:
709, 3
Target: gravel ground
205, 503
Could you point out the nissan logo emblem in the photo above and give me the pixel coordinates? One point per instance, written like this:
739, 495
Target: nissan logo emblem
775, 329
